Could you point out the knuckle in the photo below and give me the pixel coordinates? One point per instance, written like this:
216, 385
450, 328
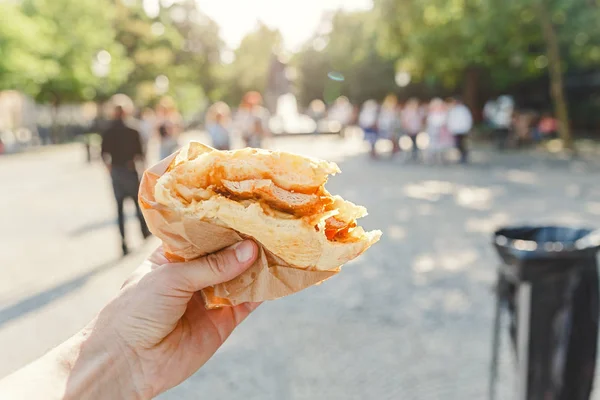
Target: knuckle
151, 279
167, 278
139, 274
165, 274
156, 278
217, 263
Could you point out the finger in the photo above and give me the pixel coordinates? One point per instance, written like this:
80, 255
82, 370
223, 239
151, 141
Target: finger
214, 268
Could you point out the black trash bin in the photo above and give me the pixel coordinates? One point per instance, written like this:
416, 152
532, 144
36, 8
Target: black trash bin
548, 282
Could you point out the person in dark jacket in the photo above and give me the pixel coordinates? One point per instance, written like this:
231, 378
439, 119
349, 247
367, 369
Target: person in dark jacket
121, 150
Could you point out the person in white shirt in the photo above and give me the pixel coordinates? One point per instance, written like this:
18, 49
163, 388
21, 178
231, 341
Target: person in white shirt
459, 124
388, 121
489, 112
437, 130
503, 120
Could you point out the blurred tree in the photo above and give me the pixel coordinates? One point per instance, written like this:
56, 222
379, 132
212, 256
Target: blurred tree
81, 35
555, 68
52, 50
250, 67
454, 41
150, 43
62, 51
313, 65
22, 46
460, 42
180, 43
342, 59
200, 53
572, 40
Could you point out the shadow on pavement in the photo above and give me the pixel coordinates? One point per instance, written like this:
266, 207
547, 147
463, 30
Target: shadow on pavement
93, 226
46, 297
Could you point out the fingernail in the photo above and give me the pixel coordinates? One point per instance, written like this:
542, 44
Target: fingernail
244, 251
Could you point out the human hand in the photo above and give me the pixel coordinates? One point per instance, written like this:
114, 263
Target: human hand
158, 321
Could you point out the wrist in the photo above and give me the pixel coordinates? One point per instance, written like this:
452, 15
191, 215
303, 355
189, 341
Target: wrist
98, 367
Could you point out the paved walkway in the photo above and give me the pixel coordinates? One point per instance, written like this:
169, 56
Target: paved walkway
408, 320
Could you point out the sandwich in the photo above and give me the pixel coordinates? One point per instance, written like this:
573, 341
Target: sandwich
278, 199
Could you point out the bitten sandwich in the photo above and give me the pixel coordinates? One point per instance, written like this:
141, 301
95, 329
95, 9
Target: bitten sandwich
276, 198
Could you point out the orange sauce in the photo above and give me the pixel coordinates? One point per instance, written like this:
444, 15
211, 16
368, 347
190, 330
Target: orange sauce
335, 229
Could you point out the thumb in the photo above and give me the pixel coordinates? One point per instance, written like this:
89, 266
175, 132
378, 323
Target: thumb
214, 268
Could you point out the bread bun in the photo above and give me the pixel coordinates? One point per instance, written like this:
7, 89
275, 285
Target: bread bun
277, 198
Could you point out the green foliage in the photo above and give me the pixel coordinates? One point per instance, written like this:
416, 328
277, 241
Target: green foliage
313, 82
148, 44
181, 43
66, 37
345, 61
47, 48
22, 45
250, 67
199, 56
443, 39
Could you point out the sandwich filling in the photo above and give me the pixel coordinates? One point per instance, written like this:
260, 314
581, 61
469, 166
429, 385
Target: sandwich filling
285, 186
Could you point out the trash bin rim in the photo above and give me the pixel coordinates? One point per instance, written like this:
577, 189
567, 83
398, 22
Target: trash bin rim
588, 242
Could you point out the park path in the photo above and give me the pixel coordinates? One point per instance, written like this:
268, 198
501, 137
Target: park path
410, 319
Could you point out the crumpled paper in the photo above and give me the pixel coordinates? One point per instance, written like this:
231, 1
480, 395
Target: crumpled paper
186, 238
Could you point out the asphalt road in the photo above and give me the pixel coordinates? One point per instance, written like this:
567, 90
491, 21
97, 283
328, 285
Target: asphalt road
410, 319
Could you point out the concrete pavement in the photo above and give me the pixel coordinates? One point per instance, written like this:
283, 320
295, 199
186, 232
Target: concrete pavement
410, 319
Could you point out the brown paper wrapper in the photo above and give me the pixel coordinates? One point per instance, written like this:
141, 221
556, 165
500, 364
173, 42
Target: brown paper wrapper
186, 238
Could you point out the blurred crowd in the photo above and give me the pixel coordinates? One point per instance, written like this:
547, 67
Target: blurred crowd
446, 123
441, 124
518, 127
165, 123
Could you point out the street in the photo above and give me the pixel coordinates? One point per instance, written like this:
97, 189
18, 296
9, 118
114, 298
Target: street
410, 319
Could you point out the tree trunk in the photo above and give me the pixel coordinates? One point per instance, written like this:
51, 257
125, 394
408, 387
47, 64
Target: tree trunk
55, 134
555, 72
471, 91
